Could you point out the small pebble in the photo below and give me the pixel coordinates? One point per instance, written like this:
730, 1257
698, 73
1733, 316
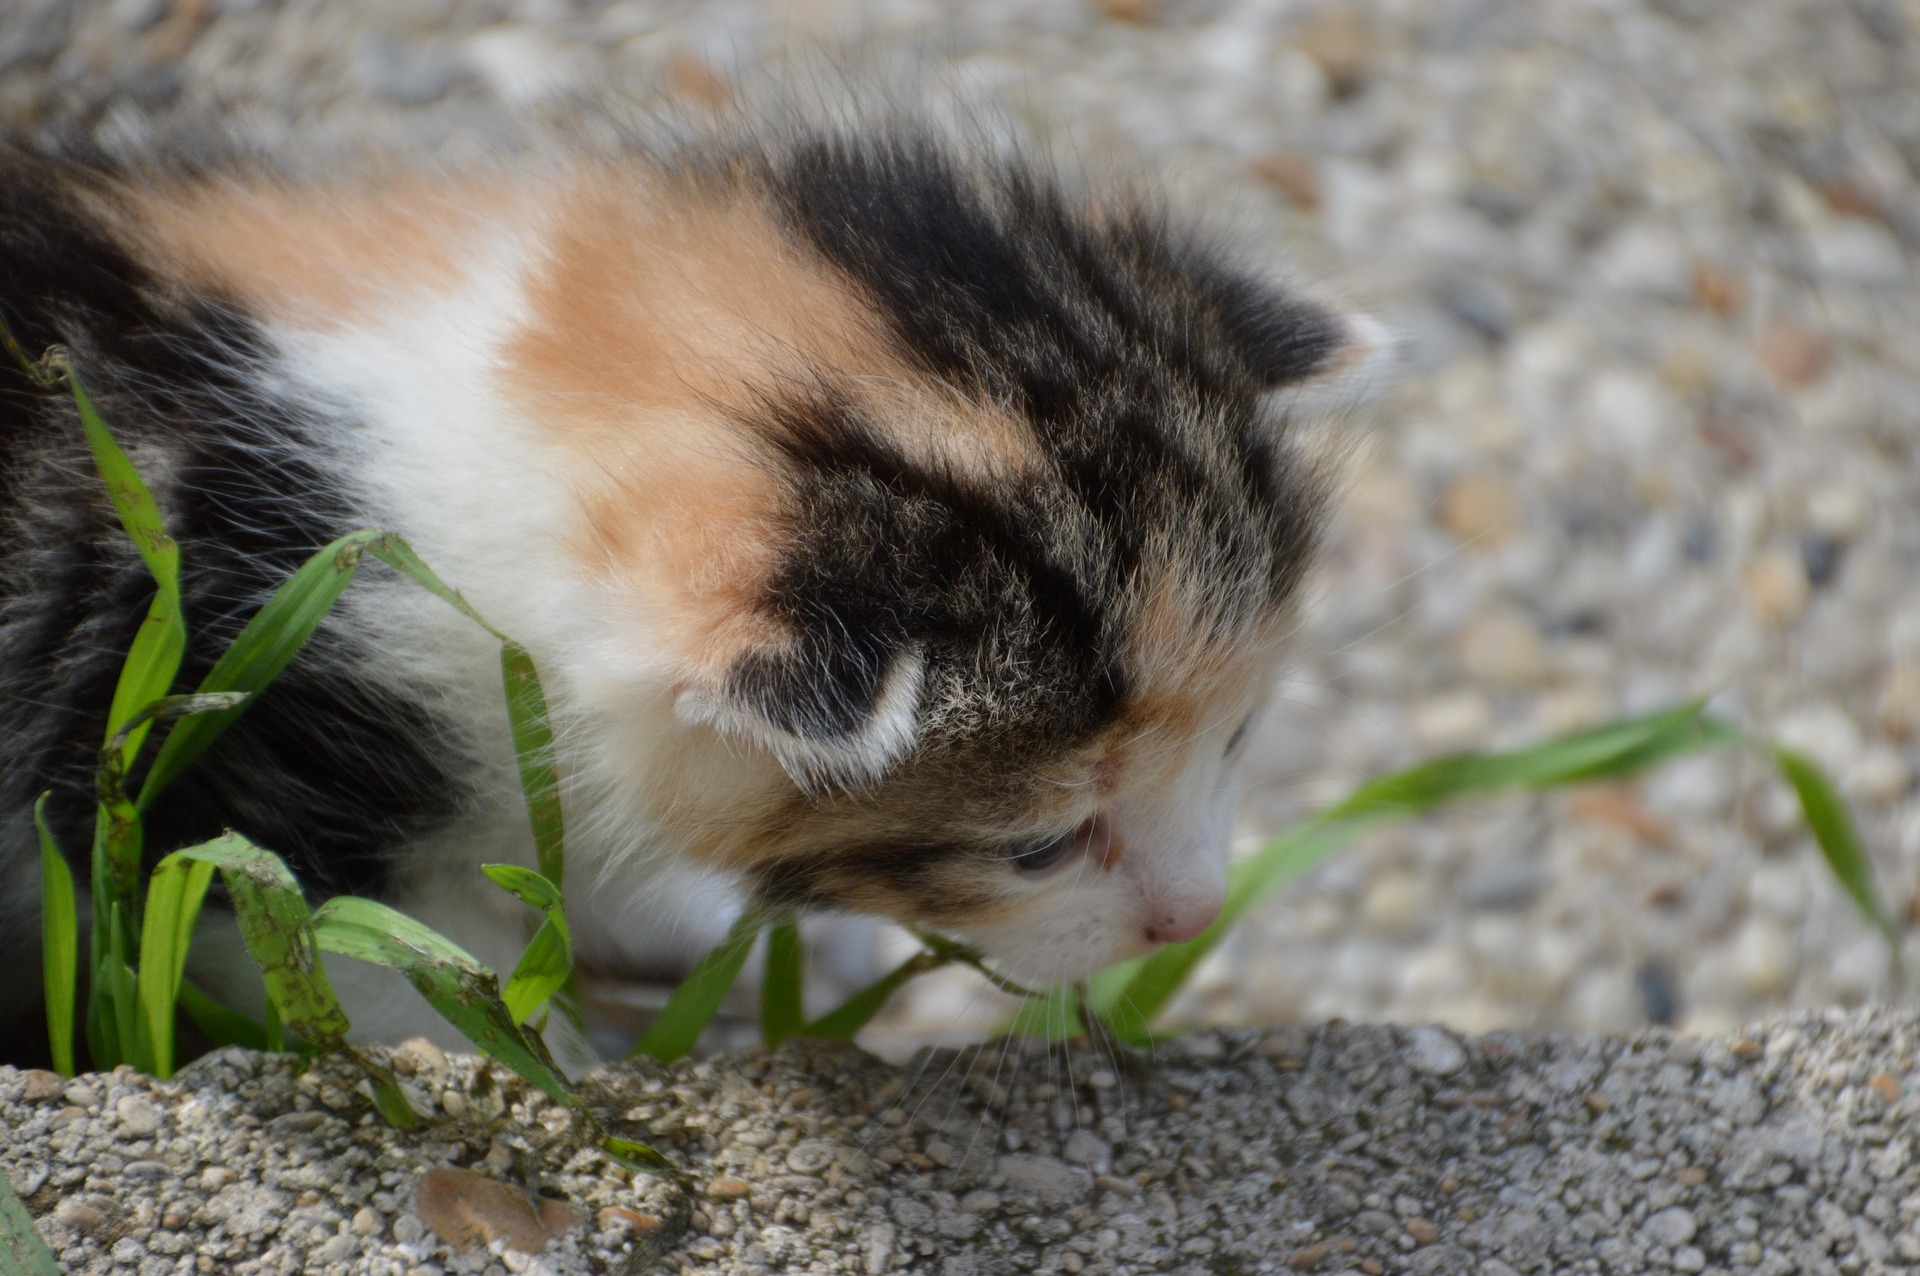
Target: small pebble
81, 1216
614, 1216
40, 1086
1434, 1051
138, 1117
1483, 510
1670, 1228
813, 1156
1775, 585
1502, 648
1795, 354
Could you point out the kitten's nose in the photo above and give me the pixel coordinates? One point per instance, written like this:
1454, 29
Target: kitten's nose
1177, 923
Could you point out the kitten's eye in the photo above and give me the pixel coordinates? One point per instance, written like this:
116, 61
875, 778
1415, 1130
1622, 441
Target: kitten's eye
1240, 734
1037, 857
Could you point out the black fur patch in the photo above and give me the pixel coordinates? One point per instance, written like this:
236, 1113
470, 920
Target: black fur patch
326, 769
1139, 357
918, 872
896, 554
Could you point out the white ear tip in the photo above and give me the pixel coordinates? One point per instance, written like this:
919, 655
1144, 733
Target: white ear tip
861, 757
1367, 340
1360, 370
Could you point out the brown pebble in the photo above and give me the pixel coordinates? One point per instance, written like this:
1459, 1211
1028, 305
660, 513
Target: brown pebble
613, 1216
1481, 509
1449, 1185
80, 1215
728, 1188
1775, 586
1692, 1176
1850, 198
1292, 174
468, 1210
1886, 1085
1720, 291
1135, 11
1618, 807
41, 1086
416, 1055
1797, 355
1342, 41
1746, 1049
1309, 1257
1422, 1231
1372, 1267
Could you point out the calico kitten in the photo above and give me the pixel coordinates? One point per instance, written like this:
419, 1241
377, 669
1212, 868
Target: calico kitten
896, 529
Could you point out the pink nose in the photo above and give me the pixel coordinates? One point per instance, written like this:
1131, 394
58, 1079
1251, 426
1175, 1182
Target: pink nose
1179, 923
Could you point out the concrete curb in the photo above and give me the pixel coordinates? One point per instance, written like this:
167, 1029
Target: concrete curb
1345, 1148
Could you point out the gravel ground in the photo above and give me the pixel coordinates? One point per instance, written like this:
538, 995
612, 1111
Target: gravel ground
1654, 437
1337, 1149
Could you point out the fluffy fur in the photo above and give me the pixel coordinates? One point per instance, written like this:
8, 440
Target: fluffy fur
896, 529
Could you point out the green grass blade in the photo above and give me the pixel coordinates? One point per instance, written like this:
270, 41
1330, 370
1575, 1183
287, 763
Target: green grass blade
265, 647
782, 991
547, 964
544, 969
397, 554
533, 752
276, 927
698, 998
1055, 1015
526, 885
155, 655
122, 996
23, 1252
844, 1021
148, 671
220, 1026
274, 1032
1614, 749
59, 943
637, 1156
174, 894
388, 1098
1839, 843
466, 993
1130, 1009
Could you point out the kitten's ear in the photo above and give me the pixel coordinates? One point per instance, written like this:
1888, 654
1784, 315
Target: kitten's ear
830, 715
1296, 342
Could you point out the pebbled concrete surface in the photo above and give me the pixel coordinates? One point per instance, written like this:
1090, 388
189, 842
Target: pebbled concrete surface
1785, 1149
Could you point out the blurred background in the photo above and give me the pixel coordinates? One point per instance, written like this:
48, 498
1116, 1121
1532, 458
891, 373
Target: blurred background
1653, 434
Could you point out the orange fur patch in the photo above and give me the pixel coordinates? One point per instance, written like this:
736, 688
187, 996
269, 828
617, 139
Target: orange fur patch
309, 255
662, 312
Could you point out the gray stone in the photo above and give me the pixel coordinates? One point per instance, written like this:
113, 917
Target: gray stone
1670, 1228
1050, 1179
138, 1117
1435, 1052
1084, 1147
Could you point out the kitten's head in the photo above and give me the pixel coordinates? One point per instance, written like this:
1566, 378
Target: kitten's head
983, 521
